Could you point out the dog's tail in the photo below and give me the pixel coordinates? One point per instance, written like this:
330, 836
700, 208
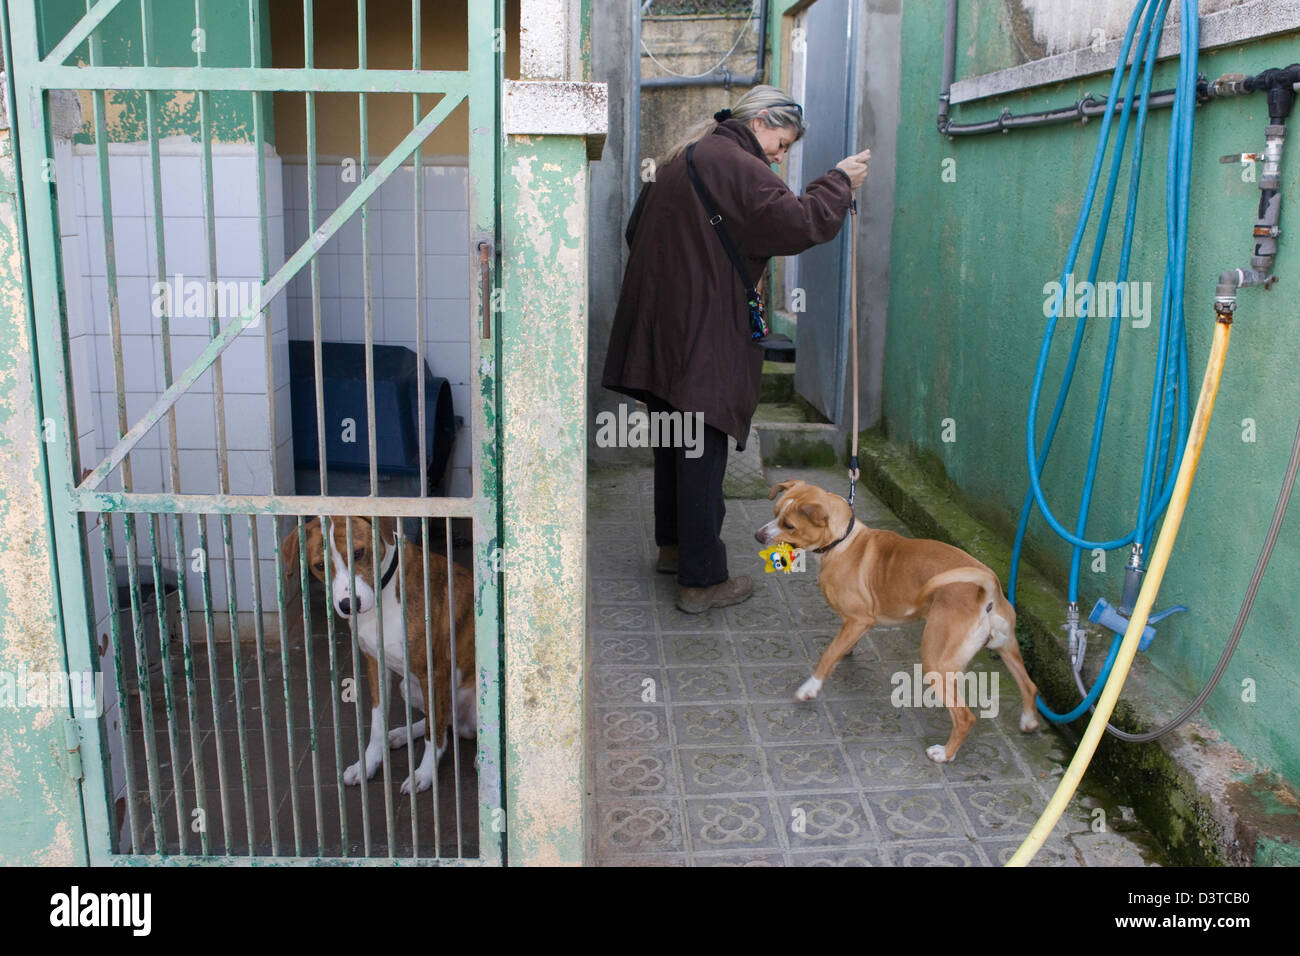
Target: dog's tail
987, 581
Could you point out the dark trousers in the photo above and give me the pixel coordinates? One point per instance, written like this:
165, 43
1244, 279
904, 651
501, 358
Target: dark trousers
688, 505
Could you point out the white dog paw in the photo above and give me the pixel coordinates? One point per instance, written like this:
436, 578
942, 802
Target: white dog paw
808, 689
418, 782
1028, 723
938, 753
352, 776
399, 737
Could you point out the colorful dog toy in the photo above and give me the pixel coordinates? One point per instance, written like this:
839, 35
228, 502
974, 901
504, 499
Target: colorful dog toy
779, 557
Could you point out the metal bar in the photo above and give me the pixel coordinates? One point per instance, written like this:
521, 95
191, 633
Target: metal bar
223, 458
254, 550
241, 79
141, 501
269, 291
123, 704
417, 35
304, 583
453, 743
364, 782
409, 684
367, 279
174, 472
209, 627
309, 41
390, 819
119, 387
169, 699
78, 34
153, 859
486, 68
432, 687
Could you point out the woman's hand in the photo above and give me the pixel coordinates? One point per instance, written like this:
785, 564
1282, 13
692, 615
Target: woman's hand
855, 167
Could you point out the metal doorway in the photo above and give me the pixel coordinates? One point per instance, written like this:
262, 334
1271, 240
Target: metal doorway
229, 713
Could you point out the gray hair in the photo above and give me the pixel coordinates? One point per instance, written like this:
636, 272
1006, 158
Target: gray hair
772, 106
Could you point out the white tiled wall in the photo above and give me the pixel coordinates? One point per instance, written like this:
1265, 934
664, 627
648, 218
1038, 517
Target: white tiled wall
254, 467
391, 218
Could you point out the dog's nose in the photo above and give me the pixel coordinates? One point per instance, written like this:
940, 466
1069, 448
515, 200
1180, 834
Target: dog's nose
345, 606
758, 535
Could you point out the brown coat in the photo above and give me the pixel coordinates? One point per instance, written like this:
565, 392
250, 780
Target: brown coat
681, 332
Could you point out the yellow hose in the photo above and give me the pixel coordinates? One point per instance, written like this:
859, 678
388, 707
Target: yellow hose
1146, 598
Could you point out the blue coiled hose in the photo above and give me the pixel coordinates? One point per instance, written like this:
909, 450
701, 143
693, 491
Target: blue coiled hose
1169, 390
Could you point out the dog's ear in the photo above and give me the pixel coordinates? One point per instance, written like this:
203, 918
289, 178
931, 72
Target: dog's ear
388, 530
289, 549
815, 513
782, 487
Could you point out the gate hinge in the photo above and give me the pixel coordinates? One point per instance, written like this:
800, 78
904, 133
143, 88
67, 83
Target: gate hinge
72, 743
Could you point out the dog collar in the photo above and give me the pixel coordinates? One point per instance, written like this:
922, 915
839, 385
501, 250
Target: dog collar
392, 569
852, 520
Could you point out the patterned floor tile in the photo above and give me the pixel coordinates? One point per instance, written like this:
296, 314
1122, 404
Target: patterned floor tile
866, 718
755, 615
636, 773
703, 683
856, 856
639, 826
892, 763
756, 858
794, 721
625, 648
807, 767
623, 617
825, 819
1000, 810
783, 648
624, 728
985, 759
903, 815
731, 823
960, 853
707, 770
695, 649
621, 591
626, 685
1057, 851
710, 725
671, 618
773, 681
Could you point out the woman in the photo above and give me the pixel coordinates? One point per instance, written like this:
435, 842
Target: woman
681, 340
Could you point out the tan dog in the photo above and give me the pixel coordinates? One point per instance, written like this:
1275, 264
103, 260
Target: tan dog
875, 577
398, 646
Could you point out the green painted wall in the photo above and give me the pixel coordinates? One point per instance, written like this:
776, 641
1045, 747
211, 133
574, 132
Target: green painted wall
969, 262
226, 43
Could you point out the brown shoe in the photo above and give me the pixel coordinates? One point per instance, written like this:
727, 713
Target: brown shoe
667, 559
730, 591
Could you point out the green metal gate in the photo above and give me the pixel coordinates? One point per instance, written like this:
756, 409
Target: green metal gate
174, 810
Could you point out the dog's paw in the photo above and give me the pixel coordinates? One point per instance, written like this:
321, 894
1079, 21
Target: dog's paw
1028, 723
809, 689
418, 782
352, 776
399, 737
938, 753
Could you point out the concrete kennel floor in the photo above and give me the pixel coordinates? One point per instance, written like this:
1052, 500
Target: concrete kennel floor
722, 767
273, 803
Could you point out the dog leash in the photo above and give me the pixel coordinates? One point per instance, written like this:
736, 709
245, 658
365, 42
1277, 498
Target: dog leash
853, 342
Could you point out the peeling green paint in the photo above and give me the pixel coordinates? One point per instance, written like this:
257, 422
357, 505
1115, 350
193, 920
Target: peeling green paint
544, 441
40, 811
